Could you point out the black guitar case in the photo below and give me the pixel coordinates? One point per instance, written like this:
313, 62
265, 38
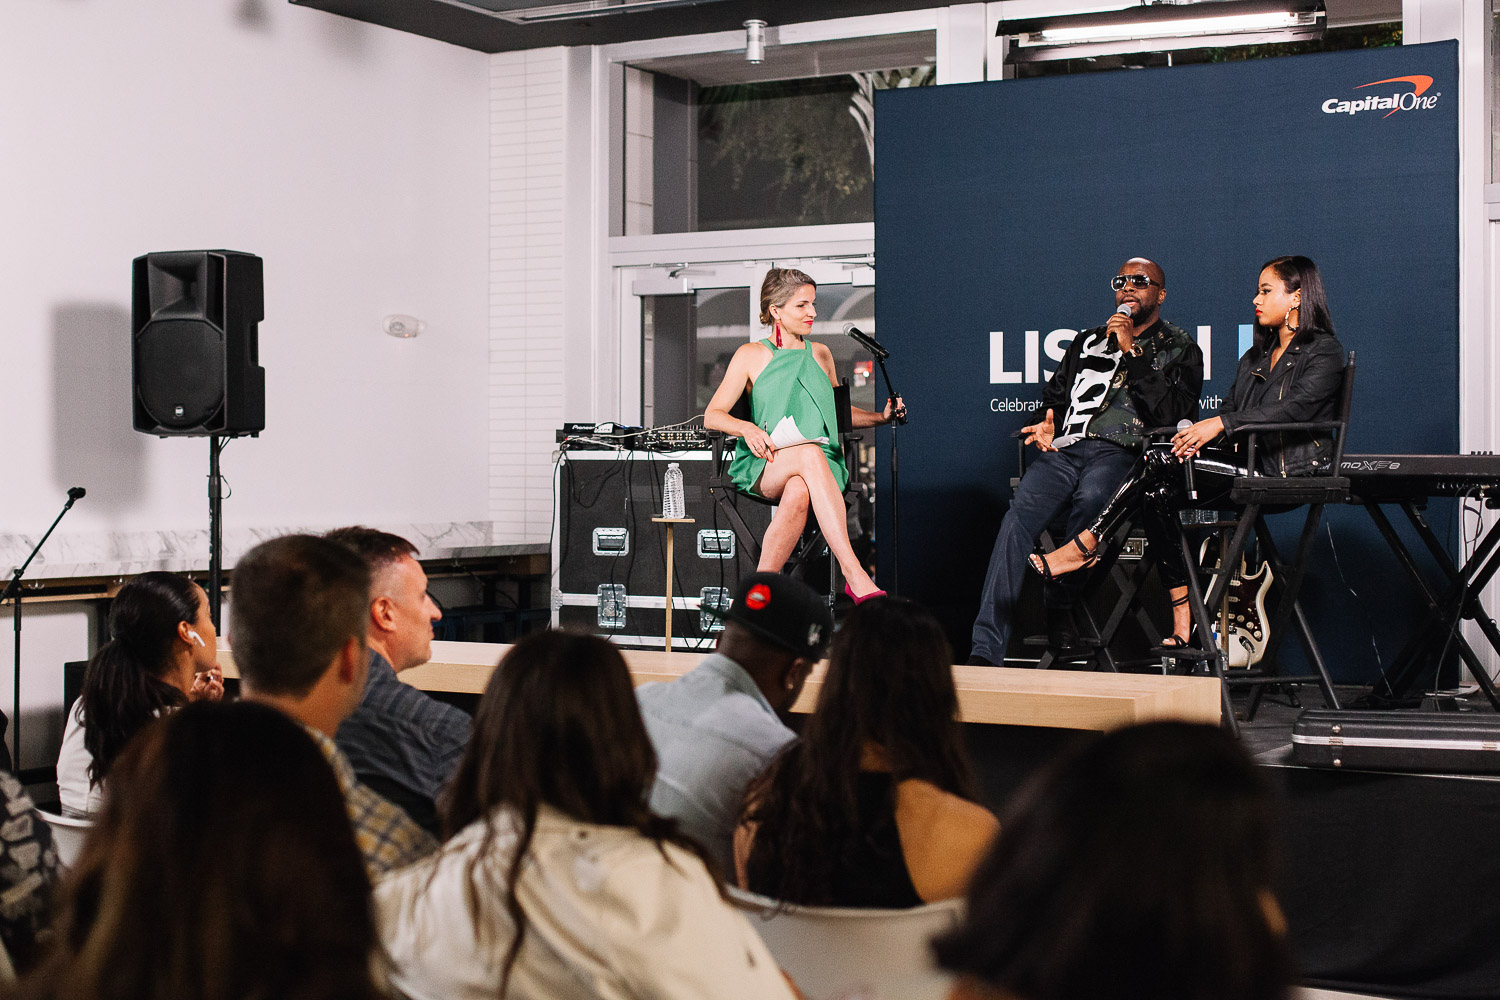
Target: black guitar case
1436, 742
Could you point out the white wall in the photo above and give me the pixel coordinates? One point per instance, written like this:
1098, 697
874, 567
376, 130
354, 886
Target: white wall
352, 158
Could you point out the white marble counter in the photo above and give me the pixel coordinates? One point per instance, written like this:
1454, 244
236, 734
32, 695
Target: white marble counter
107, 554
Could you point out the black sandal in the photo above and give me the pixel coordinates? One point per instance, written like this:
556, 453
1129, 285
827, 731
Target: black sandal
1038, 561
1175, 641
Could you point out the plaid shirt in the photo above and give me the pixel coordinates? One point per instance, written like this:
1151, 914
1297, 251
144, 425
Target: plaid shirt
386, 836
403, 744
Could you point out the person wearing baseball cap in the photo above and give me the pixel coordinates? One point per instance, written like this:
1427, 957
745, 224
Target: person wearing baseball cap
716, 727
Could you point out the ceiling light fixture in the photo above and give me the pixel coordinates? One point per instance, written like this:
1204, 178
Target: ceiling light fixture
579, 10
1163, 26
755, 42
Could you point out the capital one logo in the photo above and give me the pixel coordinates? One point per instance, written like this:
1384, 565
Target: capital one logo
1416, 99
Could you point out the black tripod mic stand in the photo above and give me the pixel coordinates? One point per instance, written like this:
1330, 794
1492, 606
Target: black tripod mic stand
12, 593
898, 417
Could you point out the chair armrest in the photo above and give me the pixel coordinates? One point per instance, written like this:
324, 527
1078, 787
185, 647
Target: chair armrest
1300, 425
719, 440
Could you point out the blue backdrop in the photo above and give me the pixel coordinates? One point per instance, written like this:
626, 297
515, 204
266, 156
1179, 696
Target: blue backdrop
1002, 209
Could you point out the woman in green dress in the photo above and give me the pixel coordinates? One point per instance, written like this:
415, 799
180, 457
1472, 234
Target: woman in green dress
790, 452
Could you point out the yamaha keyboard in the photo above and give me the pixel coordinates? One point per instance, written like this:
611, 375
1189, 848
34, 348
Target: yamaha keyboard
1409, 477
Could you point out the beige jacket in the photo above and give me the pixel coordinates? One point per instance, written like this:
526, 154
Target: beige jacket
608, 916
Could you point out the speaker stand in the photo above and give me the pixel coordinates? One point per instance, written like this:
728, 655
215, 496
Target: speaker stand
216, 444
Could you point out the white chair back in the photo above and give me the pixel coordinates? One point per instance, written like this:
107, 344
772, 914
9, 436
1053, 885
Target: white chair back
833, 952
67, 835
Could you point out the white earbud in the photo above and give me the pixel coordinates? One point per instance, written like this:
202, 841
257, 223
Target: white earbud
196, 637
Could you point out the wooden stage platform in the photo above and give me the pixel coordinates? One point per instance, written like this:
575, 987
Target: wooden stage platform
1009, 696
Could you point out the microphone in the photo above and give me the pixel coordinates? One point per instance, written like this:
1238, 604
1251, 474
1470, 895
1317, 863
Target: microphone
77, 493
1187, 465
866, 341
1126, 309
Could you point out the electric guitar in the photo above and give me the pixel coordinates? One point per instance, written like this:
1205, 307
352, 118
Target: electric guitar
1240, 625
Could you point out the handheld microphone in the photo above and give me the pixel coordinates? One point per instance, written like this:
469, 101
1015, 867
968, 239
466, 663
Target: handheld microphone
1187, 465
1126, 309
77, 493
866, 341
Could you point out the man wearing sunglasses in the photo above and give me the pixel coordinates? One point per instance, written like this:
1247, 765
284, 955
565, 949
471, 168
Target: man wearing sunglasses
1115, 382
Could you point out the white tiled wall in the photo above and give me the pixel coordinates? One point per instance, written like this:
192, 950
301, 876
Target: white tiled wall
639, 148
527, 284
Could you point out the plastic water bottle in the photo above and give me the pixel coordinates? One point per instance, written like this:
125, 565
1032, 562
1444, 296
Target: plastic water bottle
673, 504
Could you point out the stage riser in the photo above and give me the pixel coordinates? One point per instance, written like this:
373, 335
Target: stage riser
1391, 883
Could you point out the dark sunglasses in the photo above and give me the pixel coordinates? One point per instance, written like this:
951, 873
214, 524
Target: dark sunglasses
1136, 281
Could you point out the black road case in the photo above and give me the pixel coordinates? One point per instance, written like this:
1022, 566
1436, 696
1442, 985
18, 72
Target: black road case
1432, 742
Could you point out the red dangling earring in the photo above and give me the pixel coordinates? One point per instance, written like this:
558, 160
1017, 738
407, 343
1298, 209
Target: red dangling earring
778, 333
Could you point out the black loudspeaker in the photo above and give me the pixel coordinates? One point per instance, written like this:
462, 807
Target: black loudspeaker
195, 366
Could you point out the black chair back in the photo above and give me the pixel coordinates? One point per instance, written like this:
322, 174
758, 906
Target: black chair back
1346, 403
741, 410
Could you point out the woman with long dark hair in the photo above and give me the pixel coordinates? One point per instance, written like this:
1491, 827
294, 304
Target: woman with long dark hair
1293, 372
221, 867
1137, 867
792, 379
162, 653
556, 879
874, 806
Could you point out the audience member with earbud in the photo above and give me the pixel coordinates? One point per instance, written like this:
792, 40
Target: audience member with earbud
875, 805
161, 654
1138, 867
556, 879
221, 867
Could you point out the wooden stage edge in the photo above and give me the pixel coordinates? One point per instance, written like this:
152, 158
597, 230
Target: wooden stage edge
1065, 699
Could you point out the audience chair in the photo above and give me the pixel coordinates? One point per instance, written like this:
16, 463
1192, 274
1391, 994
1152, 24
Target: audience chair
1254, 496
831, 951
726, 495
68, 835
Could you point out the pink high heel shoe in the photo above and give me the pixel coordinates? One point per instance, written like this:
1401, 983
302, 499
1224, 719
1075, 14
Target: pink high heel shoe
868, 597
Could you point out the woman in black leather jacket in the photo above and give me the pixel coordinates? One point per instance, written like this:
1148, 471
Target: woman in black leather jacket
1292, 373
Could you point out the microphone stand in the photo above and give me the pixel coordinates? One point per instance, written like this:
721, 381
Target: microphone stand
12, 593
896, 422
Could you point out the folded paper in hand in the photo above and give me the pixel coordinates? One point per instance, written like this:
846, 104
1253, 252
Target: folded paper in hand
786, 434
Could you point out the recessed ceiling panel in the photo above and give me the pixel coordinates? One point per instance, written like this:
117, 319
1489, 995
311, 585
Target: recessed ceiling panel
482, 24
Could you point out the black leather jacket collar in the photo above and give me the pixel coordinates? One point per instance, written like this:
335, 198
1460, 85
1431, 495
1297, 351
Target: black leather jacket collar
1304, 386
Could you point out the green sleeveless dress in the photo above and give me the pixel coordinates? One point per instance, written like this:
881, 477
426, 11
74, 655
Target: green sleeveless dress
791, 385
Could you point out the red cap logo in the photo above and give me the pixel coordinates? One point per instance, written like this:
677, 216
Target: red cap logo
758, 597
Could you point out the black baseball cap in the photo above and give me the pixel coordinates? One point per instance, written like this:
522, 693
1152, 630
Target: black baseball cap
784, 612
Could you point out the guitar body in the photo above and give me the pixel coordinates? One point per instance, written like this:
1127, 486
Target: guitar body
1248, 632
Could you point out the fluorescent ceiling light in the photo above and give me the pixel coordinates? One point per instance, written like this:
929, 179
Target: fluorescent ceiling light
1217, 25
579, 10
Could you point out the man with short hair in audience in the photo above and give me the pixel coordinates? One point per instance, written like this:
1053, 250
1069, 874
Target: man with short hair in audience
297, 626
402, 742
716, 727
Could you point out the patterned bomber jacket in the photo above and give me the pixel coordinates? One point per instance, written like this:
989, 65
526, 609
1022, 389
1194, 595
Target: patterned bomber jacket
1098, 392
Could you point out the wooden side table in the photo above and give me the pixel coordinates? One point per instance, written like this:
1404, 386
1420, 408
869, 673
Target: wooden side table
671, 523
